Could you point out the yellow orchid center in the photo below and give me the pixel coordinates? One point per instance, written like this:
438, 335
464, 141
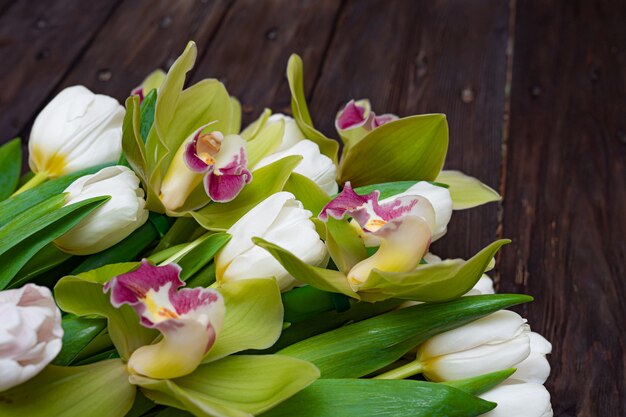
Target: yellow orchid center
208, 145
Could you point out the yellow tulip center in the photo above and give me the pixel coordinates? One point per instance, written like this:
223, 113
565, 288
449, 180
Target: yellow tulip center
53, 165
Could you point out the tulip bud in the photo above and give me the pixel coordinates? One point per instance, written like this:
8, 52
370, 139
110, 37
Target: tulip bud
76, 130
535, 368
314, 165
279, 219
519, 399
292, 133
30, 333
108, 224
498, 341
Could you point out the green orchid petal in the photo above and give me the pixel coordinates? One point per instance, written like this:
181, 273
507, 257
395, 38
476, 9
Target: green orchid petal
265, 142
412, 148
254, 317
466, 191
235, 386
97, 390
438, 282
254, 128
344, 244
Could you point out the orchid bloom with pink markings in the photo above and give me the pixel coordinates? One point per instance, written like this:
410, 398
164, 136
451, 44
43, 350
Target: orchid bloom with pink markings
224, 161
356, 119
218, 161
189, 319
402, 228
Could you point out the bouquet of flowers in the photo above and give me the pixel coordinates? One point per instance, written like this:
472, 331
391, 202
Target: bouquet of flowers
161, 261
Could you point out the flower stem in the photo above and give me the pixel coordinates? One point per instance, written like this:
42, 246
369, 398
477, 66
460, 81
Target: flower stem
37, 179
404, 371
186, 249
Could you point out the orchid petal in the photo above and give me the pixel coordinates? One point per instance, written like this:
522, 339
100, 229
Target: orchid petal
355, 114
189, 319
230, 173
382, 119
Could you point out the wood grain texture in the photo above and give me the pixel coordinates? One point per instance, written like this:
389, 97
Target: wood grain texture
39, 41
251, 50
407, 58
565, 195
141, 36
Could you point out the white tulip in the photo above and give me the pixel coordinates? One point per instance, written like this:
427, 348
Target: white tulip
114, 220
292, 133
535, 368
279, 219
440, 199
30, 333
77, 129
519, 399
492, 343
317, 167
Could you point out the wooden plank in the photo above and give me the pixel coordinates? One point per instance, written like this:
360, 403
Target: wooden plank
413, 57
251, 50
565, 195
39, 41
142, 36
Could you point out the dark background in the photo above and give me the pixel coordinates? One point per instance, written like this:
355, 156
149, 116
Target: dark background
534, 91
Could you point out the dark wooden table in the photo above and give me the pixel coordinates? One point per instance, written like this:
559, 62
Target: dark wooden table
534, 91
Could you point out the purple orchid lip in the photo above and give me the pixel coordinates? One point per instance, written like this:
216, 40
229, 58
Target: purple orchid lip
226, 179
351, 116
138, 92
153, 292
366, 209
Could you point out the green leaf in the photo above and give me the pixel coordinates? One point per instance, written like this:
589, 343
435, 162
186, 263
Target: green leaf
412, 148
265, 142
437, 282
266, 181
11, 166
300, 110
380, 398
234, 386
20, 241
83, 295
201, 255
387, 189
180, 232
482, 383
14, 206
344, 244
254, 317
147, 114
47, 258
78, 332
466, 191
324, 279
362, 348
97, 390
308, 192
253, 128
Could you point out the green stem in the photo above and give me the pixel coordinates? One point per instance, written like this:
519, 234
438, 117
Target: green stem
404, 371
186, 249
37, 179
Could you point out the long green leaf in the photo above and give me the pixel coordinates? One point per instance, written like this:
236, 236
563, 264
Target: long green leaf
14, 206
44, 260
412, 148
437, 282
10, 167
362, 348
380, 398
98, 390
266, 181
16, 251
78, 332
201, 255
481, 383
